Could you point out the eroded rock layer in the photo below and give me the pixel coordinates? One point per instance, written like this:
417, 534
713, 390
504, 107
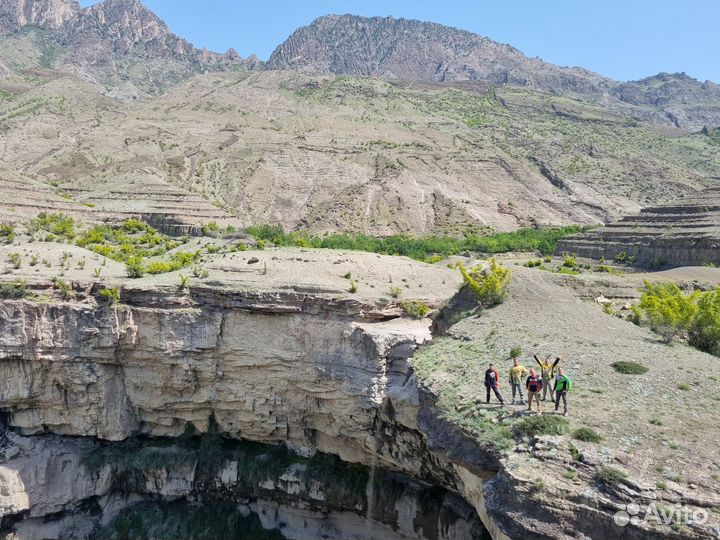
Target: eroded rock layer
685, 232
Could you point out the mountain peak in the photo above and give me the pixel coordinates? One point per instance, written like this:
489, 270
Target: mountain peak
15, 14
415, 50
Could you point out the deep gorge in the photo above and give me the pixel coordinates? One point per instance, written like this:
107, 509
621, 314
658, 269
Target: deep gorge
297, 415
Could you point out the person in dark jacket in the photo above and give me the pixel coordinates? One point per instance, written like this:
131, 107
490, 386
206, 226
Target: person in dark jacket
492, 382
534, 385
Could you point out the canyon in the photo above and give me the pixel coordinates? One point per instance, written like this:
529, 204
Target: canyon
296, 406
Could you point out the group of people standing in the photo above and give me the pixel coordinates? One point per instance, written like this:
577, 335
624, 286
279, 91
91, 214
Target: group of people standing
547, 381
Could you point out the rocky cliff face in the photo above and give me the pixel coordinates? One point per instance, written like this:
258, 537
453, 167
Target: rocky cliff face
314, 376
296, 409
684, 232
107, 41
53, 14
415, 50
423, 51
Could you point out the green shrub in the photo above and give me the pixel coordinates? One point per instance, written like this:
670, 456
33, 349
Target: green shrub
587, 435
353, 286
490, 285
15, 260
667, 309
211, 229
109, 296
395, 291
133, 240
56, 225
14, 290
7, 233
570, 261
610, 475
134, 268
629, 368
684, 387
541, 425
64, 288
415, 309
515, 351
575, 453
705, 329
428, 249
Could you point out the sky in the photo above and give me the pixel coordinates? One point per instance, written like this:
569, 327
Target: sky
622, 39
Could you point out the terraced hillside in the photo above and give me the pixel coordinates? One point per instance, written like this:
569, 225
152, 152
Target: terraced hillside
684, 232
329, 153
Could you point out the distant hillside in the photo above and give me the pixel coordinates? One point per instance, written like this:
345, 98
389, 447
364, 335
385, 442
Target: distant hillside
424, 51
118, 43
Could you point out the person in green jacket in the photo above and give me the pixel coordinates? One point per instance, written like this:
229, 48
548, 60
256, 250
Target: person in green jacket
563, 384
547, 370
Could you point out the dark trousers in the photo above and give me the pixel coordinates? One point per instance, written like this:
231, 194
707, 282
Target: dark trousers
497, 394
561, 394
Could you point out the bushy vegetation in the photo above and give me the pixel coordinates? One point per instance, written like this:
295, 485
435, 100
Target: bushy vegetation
610, 475
52, 227
7, 233
667, 309
422, 249
109, 296
133, 241
670, 312
541, 425
127, 242
14, 290
705, 328
587, 435
489, 284
629, 368
415, 309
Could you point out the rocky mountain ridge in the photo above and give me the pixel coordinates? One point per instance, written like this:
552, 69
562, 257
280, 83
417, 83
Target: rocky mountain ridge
424, 51
108, 41
114, 41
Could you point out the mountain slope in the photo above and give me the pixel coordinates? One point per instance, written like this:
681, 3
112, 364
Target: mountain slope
415, 50
422, 51
117, 43
328, 153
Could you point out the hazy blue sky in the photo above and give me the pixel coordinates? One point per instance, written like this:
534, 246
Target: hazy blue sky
623, 39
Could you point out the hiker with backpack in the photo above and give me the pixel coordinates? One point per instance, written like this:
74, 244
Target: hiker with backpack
547, 371
534, 385
563, 384
517, 372
492, 382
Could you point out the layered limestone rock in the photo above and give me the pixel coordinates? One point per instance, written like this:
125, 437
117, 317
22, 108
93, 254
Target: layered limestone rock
313, 372
76, 488
680, 233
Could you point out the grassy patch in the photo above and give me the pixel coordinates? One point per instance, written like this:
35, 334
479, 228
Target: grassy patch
14, 290
541, 425
587, 435
52, 227
610, 475
456, 369
415, 309
629, 368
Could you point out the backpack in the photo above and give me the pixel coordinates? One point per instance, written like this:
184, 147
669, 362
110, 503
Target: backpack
534, 384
